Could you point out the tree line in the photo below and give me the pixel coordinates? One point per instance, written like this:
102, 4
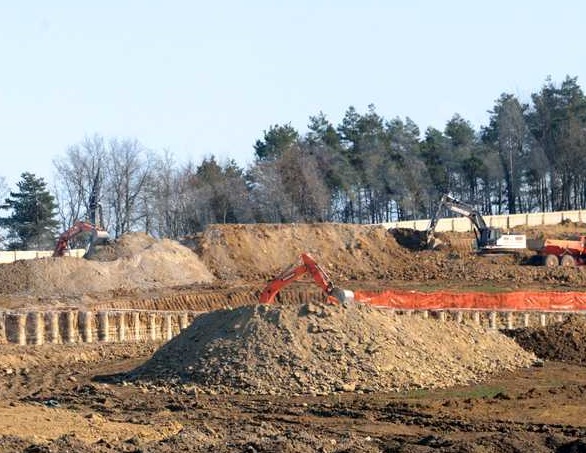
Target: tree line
366, 169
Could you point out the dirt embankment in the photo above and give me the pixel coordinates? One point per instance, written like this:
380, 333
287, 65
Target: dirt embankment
134, 261
232, 255
359, 253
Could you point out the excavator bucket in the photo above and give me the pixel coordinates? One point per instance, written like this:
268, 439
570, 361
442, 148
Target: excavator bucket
433, 242
342, 296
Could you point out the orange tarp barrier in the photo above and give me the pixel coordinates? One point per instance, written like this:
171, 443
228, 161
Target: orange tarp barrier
516, 300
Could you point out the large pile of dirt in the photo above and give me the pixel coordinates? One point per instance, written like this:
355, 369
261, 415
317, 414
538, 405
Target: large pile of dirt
142, 262
564, 342
319, 349
252, 252
365, 253
351, 254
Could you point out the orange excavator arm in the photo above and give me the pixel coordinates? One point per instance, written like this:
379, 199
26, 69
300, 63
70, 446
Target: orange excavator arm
308, 266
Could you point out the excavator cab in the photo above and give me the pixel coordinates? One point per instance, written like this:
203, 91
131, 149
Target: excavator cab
98, 238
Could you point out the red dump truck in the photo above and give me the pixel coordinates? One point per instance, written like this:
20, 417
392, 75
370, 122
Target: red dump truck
560, 252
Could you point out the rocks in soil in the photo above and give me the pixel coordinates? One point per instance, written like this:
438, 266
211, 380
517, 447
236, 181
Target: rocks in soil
320, 349
564, 341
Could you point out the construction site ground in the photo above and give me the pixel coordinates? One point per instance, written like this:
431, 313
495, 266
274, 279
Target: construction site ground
300, 376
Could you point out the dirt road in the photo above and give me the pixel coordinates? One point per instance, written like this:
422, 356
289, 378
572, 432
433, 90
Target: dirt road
55, 407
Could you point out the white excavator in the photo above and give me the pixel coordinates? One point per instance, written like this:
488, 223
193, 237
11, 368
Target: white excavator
488, 239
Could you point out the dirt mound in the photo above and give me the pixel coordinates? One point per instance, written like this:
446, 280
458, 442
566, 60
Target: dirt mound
564, 342
320, 349
410, 238
365, 253
126, 246
142, 262
253, 252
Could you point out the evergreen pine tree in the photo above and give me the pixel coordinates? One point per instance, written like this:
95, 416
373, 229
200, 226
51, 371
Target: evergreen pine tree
32, 224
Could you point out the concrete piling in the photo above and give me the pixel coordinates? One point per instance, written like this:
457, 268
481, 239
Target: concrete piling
21, 329
103, 327
152, 327
86, 324
136, 326
510, 320
168, 326
121, 327
54, 336
38, 327
183, 321
70, 331
71, 326
492, 320
476, 317
3, 333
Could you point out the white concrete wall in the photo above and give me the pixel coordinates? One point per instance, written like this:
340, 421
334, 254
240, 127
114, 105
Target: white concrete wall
506, 222
9, 257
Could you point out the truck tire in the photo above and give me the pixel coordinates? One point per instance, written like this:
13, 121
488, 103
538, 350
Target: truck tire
568, 260
551, 261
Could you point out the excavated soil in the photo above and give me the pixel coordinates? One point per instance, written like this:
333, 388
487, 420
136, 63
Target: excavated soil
294, 377
320, 349
232, 255
565, 341
141, 262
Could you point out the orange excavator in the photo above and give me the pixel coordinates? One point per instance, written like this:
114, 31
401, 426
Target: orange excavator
98, 237
307, 265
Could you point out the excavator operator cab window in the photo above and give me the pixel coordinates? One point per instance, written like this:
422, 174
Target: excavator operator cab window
489, 236
495, 235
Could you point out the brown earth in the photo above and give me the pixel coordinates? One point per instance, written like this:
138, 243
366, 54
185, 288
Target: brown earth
298, 377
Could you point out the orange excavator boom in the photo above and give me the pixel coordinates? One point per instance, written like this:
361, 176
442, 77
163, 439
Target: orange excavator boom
309, 266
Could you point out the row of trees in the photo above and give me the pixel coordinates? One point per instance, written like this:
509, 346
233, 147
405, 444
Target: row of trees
367, 169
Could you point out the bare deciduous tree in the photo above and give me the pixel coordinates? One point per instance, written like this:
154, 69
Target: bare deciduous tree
79, 174
127, 172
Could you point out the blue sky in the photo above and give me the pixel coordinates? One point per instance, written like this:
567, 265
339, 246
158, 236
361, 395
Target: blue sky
198, 78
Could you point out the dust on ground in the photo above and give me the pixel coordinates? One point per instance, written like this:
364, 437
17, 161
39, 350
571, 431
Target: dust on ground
52, 404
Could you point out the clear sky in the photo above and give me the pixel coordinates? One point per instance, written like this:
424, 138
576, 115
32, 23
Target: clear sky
201, 78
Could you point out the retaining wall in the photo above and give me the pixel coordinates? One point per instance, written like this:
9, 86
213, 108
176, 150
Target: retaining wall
11, 256
109, 326
506, 222
72, 326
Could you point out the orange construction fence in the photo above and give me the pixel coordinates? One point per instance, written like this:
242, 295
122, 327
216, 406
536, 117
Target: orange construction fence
516, 300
